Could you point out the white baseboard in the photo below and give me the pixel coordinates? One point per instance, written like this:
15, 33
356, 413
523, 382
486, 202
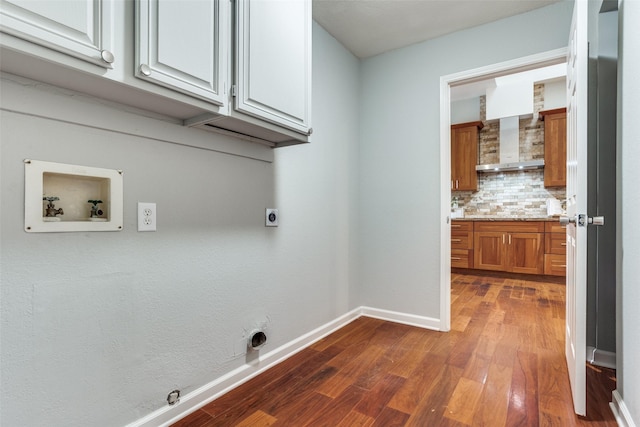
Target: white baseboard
404, 318
620, 411
198, 398
606, 359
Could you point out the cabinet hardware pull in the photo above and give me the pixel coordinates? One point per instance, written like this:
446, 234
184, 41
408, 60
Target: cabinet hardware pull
455, 225
509, 238
455, 258
563, 244
456, 240
452, 184
145, 70
503, 239
107, 56
457, 185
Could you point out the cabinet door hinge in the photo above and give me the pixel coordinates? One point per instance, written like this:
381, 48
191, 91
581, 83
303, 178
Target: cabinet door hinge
233, 90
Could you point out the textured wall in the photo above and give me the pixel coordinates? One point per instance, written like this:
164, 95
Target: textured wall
400, 180
97, 328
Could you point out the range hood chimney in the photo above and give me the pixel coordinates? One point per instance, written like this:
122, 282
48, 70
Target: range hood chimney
508, 103
510, 150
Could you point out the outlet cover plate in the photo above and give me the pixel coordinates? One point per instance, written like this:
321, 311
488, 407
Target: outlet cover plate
271, 217
146, 216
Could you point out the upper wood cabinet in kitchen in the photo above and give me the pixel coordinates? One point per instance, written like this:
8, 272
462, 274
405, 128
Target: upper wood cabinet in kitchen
184, 46
82, 29
464, 155
555, 147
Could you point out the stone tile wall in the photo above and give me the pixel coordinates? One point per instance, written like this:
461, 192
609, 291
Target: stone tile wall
517, 194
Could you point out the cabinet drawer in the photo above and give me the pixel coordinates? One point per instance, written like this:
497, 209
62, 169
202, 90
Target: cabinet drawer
555, 265
461, 258
510, 226
461, 226
555, 243
461, 240
555, 227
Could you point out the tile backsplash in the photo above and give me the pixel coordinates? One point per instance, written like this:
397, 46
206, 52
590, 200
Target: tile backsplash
518, 194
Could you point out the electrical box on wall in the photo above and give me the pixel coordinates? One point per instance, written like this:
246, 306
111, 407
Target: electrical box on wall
61, 197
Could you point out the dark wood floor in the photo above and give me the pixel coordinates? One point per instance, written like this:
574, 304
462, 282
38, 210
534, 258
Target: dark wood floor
501, 365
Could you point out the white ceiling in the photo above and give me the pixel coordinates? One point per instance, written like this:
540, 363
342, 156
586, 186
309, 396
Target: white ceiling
371, 27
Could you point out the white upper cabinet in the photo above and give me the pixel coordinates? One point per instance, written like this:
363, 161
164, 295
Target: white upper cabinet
183, 45
237, 67
273, 61
80, 28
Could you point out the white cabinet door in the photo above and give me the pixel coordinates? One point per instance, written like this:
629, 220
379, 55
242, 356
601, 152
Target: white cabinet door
183, 45
80, 28
273, 61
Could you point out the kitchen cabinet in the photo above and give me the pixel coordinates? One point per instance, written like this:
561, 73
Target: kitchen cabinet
555, 147
82, 29
555, 258
184, 46
510, 246
464, 156
462, 244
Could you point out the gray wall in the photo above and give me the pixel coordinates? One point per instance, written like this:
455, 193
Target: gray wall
97, 328
400, 151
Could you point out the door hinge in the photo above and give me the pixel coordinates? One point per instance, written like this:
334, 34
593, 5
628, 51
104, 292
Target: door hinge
233, 90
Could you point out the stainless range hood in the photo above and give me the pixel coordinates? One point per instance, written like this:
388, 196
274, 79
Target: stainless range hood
509, 144
506, 167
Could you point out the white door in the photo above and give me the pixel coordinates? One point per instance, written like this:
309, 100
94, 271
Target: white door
576, 317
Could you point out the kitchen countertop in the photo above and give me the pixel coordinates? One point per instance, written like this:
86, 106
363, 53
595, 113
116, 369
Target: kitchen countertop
494, 218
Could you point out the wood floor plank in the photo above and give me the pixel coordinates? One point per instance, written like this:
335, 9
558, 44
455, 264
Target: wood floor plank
339, 408
258, 419
523, 400
494, 401
380, 394
464, 401
502, 364
356, 419
390, 418
297, 411
421, 382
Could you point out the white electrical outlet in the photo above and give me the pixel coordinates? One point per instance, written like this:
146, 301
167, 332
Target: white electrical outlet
271, 217
146, 216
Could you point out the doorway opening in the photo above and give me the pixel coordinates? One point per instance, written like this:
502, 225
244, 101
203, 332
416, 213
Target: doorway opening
471, 79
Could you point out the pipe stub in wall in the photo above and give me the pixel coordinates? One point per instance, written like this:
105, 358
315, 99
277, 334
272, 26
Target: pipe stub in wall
257, 340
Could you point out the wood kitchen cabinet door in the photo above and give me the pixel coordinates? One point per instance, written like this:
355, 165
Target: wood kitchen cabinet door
464, 156
489, 251
555, 147
526, 252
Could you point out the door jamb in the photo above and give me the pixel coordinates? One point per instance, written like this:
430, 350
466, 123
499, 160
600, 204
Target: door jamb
530, 62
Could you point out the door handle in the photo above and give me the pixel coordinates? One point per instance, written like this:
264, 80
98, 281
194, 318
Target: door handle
582, 220
564, 220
